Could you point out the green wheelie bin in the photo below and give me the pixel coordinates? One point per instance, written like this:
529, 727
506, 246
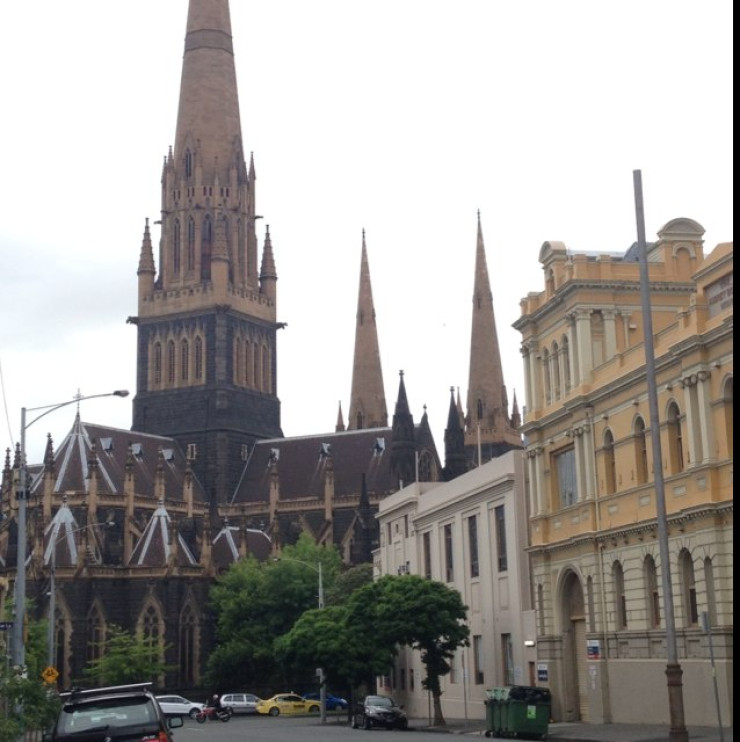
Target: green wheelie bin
527, 712
496, 711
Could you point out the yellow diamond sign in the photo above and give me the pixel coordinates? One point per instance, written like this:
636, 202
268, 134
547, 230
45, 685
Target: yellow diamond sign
50, 674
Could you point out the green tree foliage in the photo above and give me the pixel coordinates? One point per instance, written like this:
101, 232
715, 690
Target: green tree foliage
356, 641
347, 582
254, 603
420, 613
125, 658
27, 703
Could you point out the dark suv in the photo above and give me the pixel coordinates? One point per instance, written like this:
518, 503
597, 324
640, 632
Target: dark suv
121, 713
379, 711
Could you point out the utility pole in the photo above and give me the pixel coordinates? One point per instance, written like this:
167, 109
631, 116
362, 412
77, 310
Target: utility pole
678, 731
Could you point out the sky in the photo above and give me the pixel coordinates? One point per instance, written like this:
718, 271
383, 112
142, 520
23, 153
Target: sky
400, 117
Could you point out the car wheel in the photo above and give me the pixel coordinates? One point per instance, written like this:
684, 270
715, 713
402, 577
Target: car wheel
274, 711
313, 709
355, 721
367, 724
193, 713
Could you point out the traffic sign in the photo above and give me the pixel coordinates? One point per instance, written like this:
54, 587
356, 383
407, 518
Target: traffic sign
6, 625
50, 674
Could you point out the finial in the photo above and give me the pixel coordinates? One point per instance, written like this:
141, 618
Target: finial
400, 373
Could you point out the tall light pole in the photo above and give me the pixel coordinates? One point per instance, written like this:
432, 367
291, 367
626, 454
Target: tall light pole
50, 638
678, 731
322, 684
19, 649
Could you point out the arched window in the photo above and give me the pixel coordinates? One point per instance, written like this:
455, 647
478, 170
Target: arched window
191, 244
688, 588
176, 248
565, 350
727, 402
198, 359
652, 596
610, 466
641, 460
238, 361
556, 371
675, 439
426, 467
546, 374
206, 248
171, 362
479, 409
188, 163
188, 649
184, 360
711, 596
157, 363
620, 599
266, 385
597, 338
550, 285
360, 420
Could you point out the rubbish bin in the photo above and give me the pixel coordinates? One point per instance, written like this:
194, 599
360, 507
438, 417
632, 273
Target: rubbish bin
496, 711
527, 712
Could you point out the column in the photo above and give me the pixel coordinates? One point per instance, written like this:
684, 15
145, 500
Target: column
610, 333
583, 335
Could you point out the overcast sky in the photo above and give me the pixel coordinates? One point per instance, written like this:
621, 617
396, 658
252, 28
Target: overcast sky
402, 117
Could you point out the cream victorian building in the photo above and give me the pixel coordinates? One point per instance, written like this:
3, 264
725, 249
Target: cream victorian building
596, 568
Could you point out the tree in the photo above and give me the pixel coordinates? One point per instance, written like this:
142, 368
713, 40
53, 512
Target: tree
125, 658
420, 613
27, 703
256, 602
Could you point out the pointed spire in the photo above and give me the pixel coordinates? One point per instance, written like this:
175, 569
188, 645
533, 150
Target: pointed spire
403, 447
208, 119
146, 257
367, 408
455, 460
488, 416
340, 420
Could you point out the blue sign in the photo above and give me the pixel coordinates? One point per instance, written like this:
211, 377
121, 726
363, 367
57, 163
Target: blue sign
5, 625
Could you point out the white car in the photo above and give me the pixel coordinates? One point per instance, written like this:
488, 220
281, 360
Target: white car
240, 703
179, 706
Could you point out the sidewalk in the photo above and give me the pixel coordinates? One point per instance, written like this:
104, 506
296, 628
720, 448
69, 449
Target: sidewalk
580, 732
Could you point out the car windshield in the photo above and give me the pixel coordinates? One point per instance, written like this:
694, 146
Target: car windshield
104, 714
381, 701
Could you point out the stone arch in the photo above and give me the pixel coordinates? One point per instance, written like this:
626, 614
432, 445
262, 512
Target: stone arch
188, 650
150, 627
572, 625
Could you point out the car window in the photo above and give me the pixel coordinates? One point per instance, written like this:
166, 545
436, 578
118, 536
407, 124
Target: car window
111, 713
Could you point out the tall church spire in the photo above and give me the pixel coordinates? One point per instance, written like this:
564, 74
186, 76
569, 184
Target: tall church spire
206, 350
488, 431
367, 408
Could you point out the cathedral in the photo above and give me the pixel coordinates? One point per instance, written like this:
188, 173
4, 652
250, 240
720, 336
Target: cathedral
136, 524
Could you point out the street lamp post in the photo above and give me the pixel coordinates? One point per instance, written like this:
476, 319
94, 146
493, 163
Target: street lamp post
19, 649
678, 731
322, 684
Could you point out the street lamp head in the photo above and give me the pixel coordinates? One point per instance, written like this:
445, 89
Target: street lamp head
121, 393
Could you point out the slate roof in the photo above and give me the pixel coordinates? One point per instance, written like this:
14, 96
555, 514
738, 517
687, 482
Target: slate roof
301, 463
114, 449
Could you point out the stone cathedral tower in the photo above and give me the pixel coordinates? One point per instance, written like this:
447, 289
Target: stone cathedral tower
206, 348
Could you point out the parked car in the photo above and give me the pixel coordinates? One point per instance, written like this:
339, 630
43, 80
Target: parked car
240, 703
287, 703
179, 706
122, 712
379, 711
333, 703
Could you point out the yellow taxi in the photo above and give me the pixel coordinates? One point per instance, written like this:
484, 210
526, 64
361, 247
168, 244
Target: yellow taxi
287, 703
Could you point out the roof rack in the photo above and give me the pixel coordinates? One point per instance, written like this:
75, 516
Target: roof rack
76, 692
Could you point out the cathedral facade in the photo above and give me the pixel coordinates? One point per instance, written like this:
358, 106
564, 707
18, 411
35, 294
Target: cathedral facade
136, 524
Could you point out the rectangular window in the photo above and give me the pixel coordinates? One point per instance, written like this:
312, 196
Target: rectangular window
478, 678
565, 470
406, 526
507, 652
449, 564
426, 547
473, 545
503, 563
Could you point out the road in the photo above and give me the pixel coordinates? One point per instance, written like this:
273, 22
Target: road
248, 728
